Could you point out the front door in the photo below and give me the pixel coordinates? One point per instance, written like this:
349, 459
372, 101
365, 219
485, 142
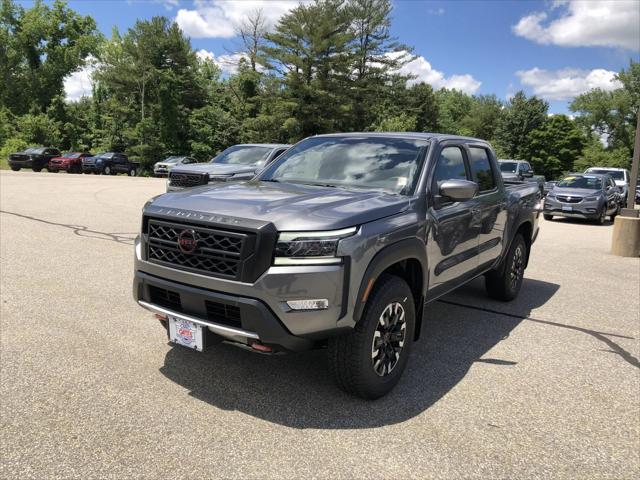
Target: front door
452, 243
491, 208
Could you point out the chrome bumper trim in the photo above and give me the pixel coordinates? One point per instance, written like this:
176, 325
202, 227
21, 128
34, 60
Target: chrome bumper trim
235, 334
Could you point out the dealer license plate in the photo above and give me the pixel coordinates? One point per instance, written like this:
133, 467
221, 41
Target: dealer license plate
566, 208
185, 333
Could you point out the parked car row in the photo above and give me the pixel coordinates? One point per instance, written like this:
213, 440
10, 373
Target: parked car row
50, 159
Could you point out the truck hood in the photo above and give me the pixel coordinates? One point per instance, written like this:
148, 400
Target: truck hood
288, 206
217, 169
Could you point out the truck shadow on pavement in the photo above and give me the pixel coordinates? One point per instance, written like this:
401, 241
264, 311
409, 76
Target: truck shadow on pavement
297, 391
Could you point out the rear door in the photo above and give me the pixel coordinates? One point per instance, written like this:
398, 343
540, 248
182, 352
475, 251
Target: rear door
490, 209
120, 163
452, 243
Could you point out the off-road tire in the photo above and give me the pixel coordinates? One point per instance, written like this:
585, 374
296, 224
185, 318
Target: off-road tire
350, 356
504, 283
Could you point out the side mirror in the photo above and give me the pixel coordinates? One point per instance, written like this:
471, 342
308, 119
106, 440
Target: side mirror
458, 190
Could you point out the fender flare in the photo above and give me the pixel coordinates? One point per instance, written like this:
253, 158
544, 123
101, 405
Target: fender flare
411, 248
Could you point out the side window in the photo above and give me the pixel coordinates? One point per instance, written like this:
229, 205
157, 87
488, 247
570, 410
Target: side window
526, 167
481, 169
277, 154
450, 166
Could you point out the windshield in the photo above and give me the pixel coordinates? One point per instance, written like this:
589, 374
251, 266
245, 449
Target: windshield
616, 174
34, 150
581, 181
390, 164
171, 160
105, 155
508, 167
243, 155
70, 155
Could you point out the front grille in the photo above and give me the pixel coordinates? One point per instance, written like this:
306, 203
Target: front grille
188, 179
165, 298
217, 252
221, 313
568, 199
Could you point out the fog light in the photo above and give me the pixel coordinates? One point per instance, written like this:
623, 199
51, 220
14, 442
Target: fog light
318, 304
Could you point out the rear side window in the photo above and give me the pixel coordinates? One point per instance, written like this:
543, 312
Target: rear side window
481, 170
450, 166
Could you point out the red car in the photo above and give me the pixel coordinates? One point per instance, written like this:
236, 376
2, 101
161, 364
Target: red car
69, 161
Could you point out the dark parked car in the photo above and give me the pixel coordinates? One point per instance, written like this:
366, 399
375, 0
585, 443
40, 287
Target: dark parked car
110, 163
35, 158
240, 162
161, 169
583, 195
70, 162
520, 171
338, 243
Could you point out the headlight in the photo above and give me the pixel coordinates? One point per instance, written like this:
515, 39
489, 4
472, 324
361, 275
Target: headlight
551, 195
310, 248
591, 199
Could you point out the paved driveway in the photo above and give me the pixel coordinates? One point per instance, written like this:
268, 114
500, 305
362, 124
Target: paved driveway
545, 386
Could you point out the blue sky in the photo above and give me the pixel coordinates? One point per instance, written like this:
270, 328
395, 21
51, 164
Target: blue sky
556, 49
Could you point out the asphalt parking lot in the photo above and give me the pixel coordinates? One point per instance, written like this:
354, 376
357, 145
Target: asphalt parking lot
545, 386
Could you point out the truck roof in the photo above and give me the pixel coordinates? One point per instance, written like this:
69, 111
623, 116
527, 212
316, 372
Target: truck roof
271, 145
412, 135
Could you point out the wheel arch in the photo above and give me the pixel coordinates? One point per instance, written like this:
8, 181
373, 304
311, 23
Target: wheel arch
406, 259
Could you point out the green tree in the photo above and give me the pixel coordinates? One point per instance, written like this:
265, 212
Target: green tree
595, 154
39, 47
520, 117
612, 114
554, 146
453, 107
483, 117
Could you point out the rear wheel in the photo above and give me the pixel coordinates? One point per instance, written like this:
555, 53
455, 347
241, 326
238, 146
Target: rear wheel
15, 169
548, 217
35, 169
369, 361
505, 282
132, 172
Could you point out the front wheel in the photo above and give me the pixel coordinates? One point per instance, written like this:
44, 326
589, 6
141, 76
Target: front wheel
35, 169
15, 169
602, 216
369, 361
505, 282
107, 170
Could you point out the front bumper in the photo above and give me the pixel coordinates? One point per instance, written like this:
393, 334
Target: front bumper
259, 308
91, 168
60, 166
585, 209
21, 163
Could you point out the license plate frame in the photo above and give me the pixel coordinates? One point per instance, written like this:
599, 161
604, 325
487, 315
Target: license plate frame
567, 208
186, 333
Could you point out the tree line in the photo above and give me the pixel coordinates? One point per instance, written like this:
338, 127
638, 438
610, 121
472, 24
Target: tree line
326, 66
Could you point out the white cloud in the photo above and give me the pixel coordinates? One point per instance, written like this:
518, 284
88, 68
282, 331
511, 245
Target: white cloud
228, 63
79, 84
423, 72
436, 11
566, 83
581, 23
220, 18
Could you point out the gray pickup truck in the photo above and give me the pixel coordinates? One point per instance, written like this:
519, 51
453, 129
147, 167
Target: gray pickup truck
338, 244
520, 171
